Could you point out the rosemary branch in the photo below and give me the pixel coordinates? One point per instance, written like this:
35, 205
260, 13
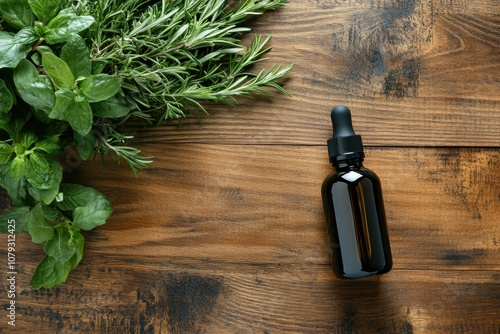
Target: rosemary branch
174, 55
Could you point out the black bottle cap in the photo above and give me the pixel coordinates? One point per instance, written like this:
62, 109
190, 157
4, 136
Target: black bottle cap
344, 144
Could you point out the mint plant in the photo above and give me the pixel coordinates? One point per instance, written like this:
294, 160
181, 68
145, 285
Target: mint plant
72, 73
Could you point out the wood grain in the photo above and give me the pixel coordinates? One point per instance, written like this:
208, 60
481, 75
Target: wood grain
227, 234
233, 241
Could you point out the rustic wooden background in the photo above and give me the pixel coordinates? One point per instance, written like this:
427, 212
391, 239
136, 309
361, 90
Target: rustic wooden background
227, 234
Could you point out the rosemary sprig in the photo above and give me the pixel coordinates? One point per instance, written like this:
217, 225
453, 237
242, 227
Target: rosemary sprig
175, 54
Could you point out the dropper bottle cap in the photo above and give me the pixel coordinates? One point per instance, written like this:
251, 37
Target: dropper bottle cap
344, 144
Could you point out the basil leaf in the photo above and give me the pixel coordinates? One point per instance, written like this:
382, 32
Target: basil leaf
100, 87
17, 13
76, 54
78, 241
54, 270
75, 195
73, 108
51, 214
58, 71
93, 214
114, 107
34, 89
47, 196
11, 52
5, 152
45, 10
60, 246
19, 215
6, 98
38, 227
65, 24
84, 144
49, 273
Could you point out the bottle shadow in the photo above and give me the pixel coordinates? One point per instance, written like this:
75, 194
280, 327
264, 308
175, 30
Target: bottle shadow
369, 305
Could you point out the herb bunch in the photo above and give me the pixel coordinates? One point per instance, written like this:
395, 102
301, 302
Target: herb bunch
72, 73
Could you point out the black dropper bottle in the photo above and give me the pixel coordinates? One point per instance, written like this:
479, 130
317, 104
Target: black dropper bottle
353, 204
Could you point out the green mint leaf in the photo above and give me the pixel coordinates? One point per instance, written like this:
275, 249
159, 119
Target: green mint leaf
64, 25
76, 195
26, 35
11, 52
98, 66
93, 214
28, 138
114, 107
38, 163
60, 246
100, 87
64, 98
76, 54
40, 29
74, 109
19, 215
16, 188
80, 117
42, 116
50, 273
49, 145
5, 153
4, 121
17, 13
58, 71
45, 10
43, 49
34, 89
55, 128
15, 126
38, 227
19, 168
85, 145
6, 97
45, 176
36, 58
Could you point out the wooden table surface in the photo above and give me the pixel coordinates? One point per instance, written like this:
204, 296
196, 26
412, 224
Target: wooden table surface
227, 233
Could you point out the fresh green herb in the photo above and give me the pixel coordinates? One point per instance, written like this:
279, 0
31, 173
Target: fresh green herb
72, 73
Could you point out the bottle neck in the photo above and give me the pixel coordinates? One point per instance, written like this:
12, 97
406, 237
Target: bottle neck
348, 164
